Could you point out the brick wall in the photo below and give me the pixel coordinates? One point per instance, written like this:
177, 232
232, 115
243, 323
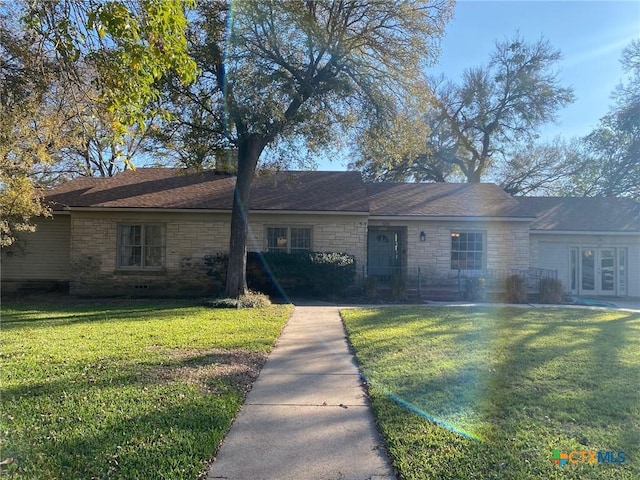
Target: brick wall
189, 237
330, 233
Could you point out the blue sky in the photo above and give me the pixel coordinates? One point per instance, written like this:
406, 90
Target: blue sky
590, 34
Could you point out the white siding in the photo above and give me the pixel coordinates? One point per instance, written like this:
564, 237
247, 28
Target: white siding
554, 251
555, 256
45, 255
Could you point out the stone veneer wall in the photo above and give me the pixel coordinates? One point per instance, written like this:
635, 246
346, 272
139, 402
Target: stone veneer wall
189, 237
507, 243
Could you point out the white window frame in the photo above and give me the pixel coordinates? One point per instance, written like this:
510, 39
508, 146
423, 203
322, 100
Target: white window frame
287, 248
143, 246
483, 235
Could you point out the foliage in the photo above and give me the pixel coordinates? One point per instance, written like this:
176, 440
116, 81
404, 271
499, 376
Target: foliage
18, 204
493, 108
77, 82
249, 300
475, 289
27, 132
499, 104
276, 273
128, 389
489, 393
516, 289
370, 287
613, 148
301, 73
398, 285
392, 147
129, 45
551, 290
546, 168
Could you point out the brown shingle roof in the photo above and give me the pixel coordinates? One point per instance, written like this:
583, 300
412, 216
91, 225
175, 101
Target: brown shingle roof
576, 214
441, 200
167, 188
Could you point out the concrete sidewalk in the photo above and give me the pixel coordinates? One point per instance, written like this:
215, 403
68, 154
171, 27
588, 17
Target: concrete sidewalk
306, 416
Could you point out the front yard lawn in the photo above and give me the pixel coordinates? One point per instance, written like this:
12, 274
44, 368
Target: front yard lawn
124, 389
491, 393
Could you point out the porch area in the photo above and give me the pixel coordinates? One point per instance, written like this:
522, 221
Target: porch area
427, 283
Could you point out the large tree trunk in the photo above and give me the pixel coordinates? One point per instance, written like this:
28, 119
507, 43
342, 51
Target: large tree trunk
249, 151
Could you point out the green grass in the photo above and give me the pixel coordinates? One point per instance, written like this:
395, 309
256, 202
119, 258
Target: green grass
124, 389
490, 393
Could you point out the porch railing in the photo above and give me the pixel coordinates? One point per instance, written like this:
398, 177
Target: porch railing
421, 279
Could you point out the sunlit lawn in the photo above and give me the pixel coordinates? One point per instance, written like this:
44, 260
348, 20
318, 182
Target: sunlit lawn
484, 393
124, 389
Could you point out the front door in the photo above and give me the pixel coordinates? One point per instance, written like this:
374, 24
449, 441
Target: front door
598, 271
383, 254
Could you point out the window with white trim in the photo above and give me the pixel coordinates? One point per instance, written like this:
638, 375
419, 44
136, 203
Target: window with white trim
289, 239
141, 246
468, 250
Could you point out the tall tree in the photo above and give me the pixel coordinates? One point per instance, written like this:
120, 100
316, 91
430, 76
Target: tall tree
46, 50
489, 112
500, 104
612, 166
28, 128
304, 72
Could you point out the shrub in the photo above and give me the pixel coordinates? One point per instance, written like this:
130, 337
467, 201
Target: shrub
250, 300
551, 290
475, 289
274, 273
516, 287
370, 287
398, 286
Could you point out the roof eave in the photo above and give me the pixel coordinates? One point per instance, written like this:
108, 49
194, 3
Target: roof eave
583, 232
210, 210
451, 218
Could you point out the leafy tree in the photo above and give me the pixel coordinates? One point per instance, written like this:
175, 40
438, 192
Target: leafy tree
27, 131
89, 144
109, 56
499, 105
612, 166
130, 44
305, 73
396, 149
494, 108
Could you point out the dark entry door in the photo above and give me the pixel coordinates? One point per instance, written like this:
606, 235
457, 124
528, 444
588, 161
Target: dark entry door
384, 257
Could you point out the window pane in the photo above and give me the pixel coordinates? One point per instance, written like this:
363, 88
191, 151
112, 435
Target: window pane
467, 250
300, 239
130, 235
130, 256
277, 239
153, 235
153, 257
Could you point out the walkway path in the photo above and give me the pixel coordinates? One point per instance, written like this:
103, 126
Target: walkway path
306, 416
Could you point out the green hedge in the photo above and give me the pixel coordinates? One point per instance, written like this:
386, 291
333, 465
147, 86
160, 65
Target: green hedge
275, 273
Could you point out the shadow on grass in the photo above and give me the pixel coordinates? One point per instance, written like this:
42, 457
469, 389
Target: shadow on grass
20, 314
160, 419
526, 381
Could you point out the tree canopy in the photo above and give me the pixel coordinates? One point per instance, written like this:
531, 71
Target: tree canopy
611, 165
493, 108
77, 82
308, 73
